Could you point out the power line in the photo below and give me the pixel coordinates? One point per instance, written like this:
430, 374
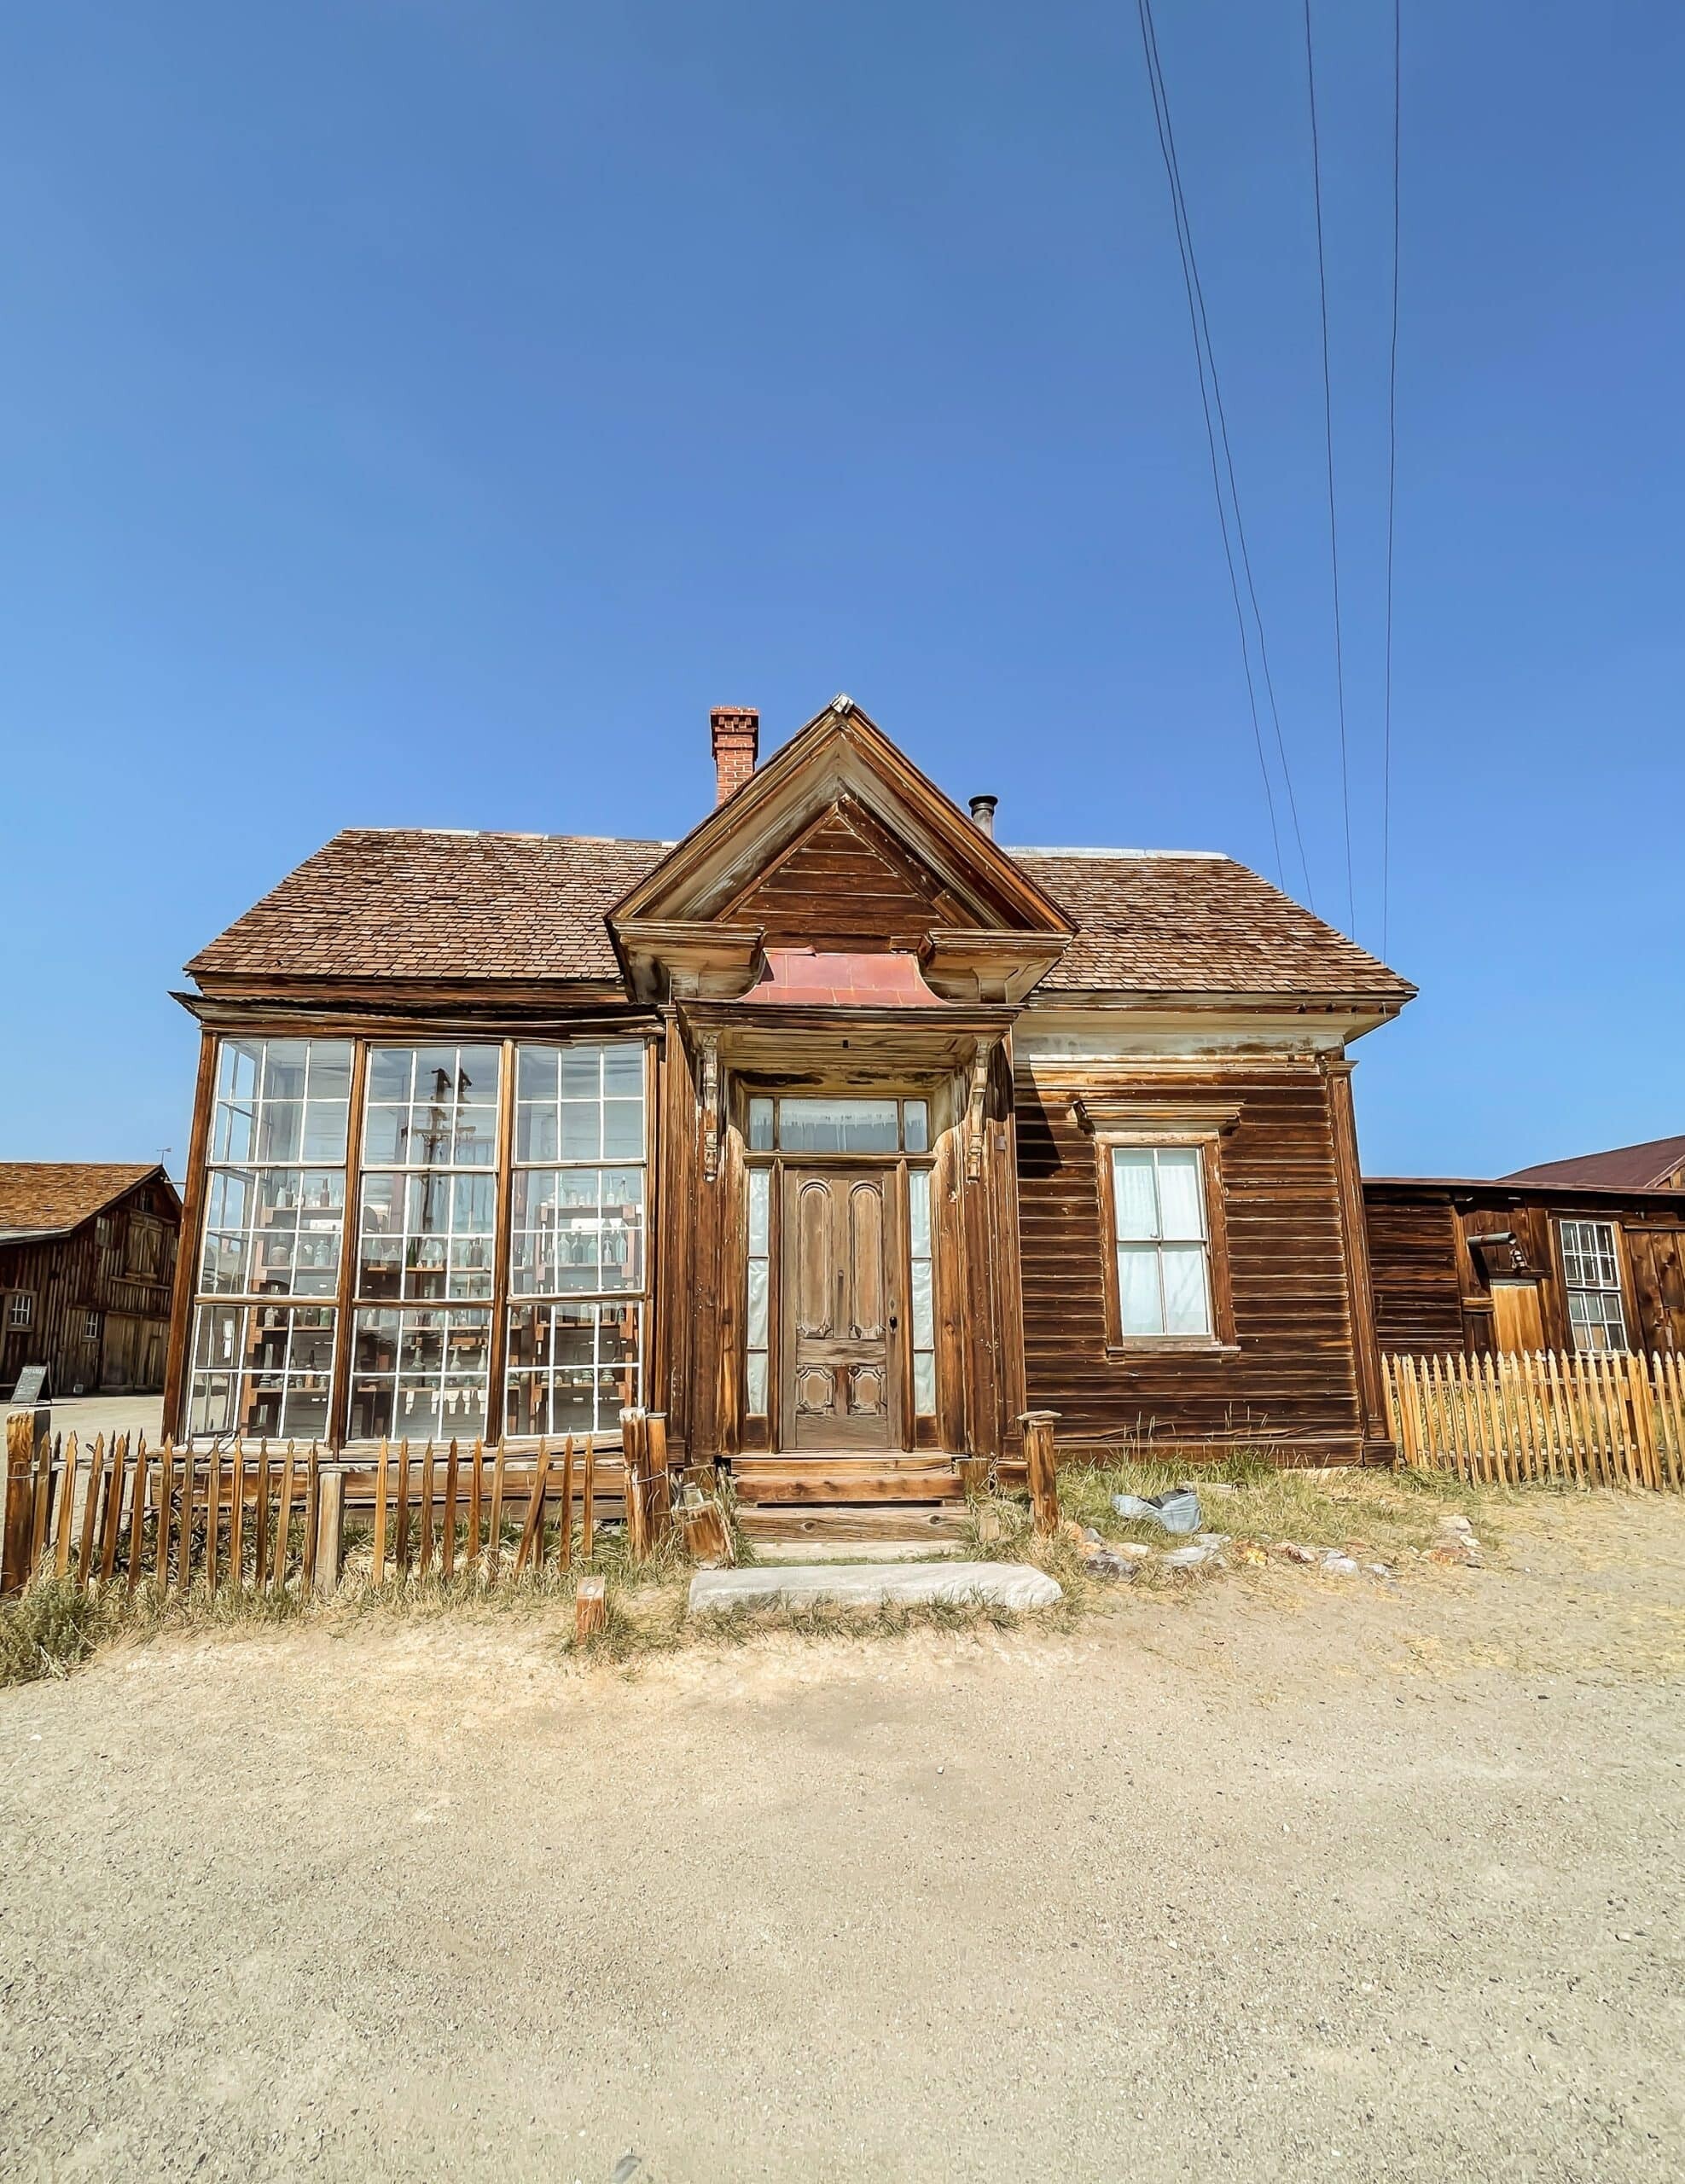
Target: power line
1391, 488
1328, 437
1205, 358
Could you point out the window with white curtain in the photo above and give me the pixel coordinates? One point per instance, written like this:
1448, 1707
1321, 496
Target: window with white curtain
1162, 1240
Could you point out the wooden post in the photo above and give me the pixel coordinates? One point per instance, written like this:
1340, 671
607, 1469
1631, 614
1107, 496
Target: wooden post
1038, 1427
660, 1478
447, 1568
633, 1454
1375, 1443
706, 1541
564, 1545
19, 1502
66, 1503
587, 1505
590, 1608
330, 1529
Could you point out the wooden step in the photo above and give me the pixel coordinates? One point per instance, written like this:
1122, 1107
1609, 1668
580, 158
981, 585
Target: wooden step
823, 1482
864, 1521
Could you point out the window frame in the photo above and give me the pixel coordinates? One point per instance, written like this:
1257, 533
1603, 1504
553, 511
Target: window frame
1620, 1291
16, 1324
1130, 1125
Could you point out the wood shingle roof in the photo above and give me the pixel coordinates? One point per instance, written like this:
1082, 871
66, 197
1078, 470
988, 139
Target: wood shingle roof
419, 905
51, 1197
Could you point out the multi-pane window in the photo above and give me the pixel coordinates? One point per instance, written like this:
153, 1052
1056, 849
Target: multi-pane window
406, 1223
575, 1272
20, 1312
274, 1223
90, 1327
1591, 1272
807, 1123
426, 1238
1162, 1242
419, 1372
264, 1370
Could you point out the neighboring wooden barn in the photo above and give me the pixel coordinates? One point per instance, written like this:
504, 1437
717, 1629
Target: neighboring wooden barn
1552, 1259
87, 1265
835, 1132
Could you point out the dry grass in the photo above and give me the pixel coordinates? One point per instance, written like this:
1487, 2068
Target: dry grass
1376, 1516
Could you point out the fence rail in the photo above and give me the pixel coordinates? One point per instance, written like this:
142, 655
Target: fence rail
1589, 1419
265, 1518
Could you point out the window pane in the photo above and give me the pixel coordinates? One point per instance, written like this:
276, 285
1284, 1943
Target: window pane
262, 1370
1185, 1310
760, 1208
924, 1384
419, 1374
918, 1211
572, 1367
838, 1125
756, 1392
622, 1072
760, 1125
1136, 1200
1181, 1209
755, 1334
1138, 1289
924, 1316
915, 1123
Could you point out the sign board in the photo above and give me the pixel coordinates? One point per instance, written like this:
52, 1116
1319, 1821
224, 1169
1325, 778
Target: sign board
31, 1385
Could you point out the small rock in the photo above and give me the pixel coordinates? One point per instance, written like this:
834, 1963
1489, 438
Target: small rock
1380, 1570
1338, 1565
1213, 1539
1290, 1551
1092, 1537
1189, 1558
1136, 1550
1119, 1568
989, 1525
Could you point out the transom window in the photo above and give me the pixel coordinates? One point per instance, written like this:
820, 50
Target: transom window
810, 1124
1592, 1275
1164, 1272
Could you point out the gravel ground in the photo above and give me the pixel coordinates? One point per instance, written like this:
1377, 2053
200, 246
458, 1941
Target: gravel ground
1283, 1876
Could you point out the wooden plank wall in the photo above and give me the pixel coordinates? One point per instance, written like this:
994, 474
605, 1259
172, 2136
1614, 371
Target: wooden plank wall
1294, 1383
69, 1276
845, 884
1430, 1297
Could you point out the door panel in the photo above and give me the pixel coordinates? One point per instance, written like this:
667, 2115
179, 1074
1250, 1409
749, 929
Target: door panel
840, 1391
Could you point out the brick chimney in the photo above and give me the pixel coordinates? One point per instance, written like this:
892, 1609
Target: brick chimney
736, 733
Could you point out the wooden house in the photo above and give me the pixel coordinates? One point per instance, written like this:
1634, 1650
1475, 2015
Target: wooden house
836, 1131
87, 1266
1582, 1254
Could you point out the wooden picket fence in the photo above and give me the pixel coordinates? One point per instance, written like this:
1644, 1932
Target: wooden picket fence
1593, 1418
268, 1518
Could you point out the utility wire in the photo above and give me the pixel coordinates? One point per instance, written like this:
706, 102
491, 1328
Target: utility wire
1392, 490
1328, 438
1205, 361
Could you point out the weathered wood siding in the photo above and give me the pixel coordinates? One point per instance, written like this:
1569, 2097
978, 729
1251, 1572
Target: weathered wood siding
1414, 1251
121, 1272
1432, 1294
1293, 1383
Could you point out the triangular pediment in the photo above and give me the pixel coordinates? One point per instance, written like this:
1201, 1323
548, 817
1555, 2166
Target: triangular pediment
838, 842
843, 772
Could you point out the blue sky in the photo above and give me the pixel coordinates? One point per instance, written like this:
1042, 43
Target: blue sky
421, 412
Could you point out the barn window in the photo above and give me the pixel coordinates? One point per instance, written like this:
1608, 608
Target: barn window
1591, 1274
21, 1312
90, 1327
577, 1277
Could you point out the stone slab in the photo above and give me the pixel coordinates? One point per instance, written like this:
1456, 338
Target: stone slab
865, 1585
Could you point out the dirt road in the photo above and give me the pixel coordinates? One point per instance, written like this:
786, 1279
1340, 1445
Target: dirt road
1286, 1877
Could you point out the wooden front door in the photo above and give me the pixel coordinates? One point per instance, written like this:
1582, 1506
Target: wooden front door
838, 1388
